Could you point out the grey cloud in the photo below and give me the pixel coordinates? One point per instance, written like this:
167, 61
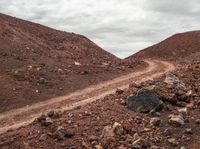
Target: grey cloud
183, 7
121, 27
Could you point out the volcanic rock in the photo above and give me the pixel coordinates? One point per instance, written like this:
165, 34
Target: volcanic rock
176, 120
54, 114
46, 122
61, 134
119, 91
84, 72
41, 118
155, 121
98, 147
50, 113
43, 137
108, 137
183, 111
42, 81
197, 121
171, 79
145, 101
188, 131
172, 141
117, 128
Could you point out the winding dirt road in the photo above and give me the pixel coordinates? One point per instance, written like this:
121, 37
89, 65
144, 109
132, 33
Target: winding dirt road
23, 116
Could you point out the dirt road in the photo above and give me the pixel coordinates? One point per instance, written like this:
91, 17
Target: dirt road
23, 116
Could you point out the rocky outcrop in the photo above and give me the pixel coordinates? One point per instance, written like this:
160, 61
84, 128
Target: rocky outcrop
145, 101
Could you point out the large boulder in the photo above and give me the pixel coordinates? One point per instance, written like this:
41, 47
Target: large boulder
145, 101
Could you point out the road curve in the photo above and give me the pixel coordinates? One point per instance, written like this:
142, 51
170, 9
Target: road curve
23, 116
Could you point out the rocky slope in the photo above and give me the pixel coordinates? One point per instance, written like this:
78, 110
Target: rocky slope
167, 116
161, 113
38, 63
175, 48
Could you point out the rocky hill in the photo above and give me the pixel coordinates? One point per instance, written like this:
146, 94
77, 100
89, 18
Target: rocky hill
156, 114
38, 62
177, 47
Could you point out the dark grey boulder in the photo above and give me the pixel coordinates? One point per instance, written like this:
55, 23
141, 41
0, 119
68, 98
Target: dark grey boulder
145, 101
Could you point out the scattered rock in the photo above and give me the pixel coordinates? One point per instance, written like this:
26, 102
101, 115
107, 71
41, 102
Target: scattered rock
176, 120
98, 147
183, 111
134, 85
190, 105
118, 129
172, 141
197, 121
146, 130
61, 134
69, 134
183, 97
85, 145
183, 147
155, 121
119, 91
122, 102
172, 79
188, 131
50, 113
46, 122
183, 137
138, 119
84, 72
145, 101
42, 81
140, 144
87, 113
60, 71
108, 137
41, 118
54, 114
151, 87
168, 132
43, 137
77, 63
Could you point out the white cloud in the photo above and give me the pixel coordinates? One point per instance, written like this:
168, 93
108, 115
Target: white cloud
121, 27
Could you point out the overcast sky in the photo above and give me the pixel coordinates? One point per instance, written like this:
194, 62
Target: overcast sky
121, 27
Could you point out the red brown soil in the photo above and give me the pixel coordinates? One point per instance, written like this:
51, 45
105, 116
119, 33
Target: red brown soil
175, 48
87, 122
31, 52
84, 116
22, 116
25, 115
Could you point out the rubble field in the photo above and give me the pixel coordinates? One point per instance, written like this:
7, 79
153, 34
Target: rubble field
169, 118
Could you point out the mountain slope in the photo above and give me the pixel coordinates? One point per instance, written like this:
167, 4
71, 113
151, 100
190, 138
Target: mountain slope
39, 63
23, 41
176, 47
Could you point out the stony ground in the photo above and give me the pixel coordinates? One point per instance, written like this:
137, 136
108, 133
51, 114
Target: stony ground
38, 63
170, 121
